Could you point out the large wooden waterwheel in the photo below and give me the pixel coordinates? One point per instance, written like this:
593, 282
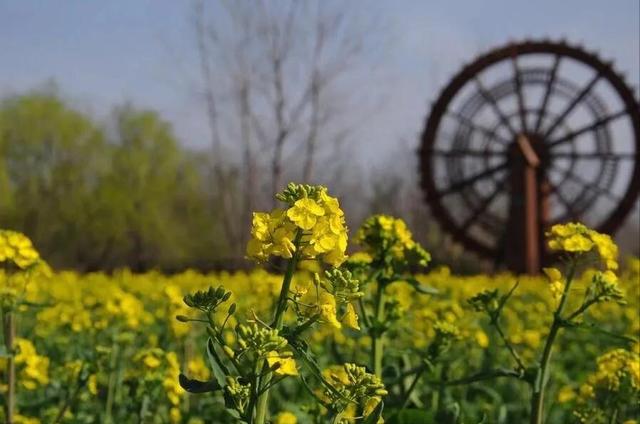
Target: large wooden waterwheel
526, 136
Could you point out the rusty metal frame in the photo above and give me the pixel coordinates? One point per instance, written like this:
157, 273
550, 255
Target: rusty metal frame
428, 153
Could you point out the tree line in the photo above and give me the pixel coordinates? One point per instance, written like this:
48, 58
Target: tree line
105, 195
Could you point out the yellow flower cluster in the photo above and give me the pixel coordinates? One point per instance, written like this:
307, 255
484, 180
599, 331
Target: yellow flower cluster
34, 368
286, 417
172, 386
614, 367
578, 238
556, 282
355, 386
158, 366
313, 223
382, 234
17, 248
136, 312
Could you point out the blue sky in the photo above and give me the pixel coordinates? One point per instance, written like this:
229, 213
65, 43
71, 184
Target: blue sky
104, 53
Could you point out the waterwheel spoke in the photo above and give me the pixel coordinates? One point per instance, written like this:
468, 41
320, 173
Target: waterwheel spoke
477, 127
494, 106
470, 180
595, 156
547, 93
567, 204
483, 206
587, 128
586, 184
467, 152
517, 79
577, 99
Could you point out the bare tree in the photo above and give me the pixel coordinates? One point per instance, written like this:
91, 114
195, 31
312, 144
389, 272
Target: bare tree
271, 72
220, 179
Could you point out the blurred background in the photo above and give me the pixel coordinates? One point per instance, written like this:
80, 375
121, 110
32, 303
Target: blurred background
143, 134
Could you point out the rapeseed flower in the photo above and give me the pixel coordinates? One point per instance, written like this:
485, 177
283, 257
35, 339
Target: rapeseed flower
313, 226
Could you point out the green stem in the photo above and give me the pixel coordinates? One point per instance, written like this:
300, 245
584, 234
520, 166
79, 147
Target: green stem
580, 310
281, 307
257, 370
9, 327
539, 386
81, 381
407, 395
304, 326
509, 346
481, 376
335, 418
363, 313
442, 391
377, 342
112, 382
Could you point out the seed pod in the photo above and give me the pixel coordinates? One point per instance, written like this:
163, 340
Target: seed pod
220, 292
229, 351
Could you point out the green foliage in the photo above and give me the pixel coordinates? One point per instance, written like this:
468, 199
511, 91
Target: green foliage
96, 196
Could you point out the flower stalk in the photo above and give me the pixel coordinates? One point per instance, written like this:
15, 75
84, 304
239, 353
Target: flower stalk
542, 376
377, 333
281, 307
9, 328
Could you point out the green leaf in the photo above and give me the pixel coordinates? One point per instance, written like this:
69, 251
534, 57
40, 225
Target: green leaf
220, 371
420, 288
590, 327
504, 298
197, 386
409, 416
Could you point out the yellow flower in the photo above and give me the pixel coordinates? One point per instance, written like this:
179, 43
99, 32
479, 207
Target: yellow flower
92, 384
36, 367
609, 277
482, 339
577, 238
337, 256
286, 417
607, 249
287, 365
312, 211
586, 391
175, 415
305, 213
360, 258
260, 229
331, 204
350, 318
553, 273
283, 243
197, 368
556, 281
327, 306
566, 394
17, 248
151, 361
370, 405
577, 243
22, 419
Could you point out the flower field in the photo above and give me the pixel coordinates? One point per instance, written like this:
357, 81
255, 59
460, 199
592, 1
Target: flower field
382, 337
